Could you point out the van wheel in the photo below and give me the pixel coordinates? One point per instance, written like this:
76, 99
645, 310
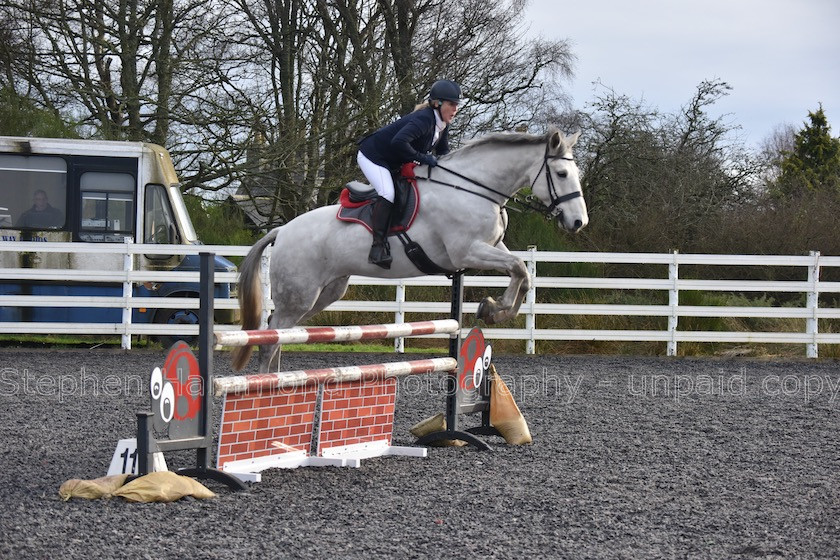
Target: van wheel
176, 317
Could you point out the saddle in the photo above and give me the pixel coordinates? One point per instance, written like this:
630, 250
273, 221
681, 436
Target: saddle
356, 202
356, 205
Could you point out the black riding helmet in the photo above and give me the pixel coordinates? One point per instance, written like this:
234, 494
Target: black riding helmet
445, 90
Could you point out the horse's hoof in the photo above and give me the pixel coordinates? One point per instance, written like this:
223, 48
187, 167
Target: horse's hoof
486, 309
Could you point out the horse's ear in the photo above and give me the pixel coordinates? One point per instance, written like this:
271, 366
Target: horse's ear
554, 141
572, 140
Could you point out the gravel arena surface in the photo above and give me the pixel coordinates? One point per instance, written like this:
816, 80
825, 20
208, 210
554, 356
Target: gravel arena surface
632, 458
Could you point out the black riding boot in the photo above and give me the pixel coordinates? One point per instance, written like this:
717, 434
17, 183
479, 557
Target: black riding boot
380, 251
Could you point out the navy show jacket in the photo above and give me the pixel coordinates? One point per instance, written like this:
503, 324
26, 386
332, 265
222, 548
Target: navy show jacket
404, 140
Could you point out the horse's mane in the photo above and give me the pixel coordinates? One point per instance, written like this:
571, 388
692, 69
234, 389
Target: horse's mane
508, 138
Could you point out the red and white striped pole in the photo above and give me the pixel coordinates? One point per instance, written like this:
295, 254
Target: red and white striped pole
303, 335
288, 379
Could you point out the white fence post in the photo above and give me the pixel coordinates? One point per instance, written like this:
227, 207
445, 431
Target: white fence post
673, 302
813, 303
399, 317
530, 300
128, 291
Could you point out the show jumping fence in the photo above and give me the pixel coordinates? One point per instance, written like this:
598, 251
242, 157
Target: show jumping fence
809, 316
332, 416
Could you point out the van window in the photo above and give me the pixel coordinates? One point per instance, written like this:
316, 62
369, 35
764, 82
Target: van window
33, 192
107, 202
160, 222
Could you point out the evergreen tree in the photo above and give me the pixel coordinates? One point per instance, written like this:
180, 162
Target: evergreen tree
814, 163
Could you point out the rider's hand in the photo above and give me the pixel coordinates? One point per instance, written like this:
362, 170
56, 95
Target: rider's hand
428, 159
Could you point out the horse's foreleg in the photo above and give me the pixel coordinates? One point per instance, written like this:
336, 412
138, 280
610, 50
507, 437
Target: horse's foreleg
492, 311
485, 257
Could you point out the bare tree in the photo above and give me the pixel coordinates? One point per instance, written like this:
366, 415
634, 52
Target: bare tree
657, 182
270, 96
108, 63
358, 64
509, 81
772, 150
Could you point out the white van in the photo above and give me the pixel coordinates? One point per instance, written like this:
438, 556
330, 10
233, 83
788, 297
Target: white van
91, 191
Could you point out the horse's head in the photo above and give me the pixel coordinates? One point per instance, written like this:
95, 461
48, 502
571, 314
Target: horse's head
557, 183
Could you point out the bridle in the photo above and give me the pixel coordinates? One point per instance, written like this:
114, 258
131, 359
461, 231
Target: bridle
553, 209
550, 211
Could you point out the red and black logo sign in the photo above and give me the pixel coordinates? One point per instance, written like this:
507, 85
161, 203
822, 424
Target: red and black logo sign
177, 393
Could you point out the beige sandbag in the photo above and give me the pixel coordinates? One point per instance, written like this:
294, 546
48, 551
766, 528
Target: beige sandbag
103, 487
504, 414
163, 486
436, 423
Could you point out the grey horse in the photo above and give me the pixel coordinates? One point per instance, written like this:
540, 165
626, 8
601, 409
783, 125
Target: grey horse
460, 225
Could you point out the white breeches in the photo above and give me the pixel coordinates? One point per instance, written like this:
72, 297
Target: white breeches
379, 177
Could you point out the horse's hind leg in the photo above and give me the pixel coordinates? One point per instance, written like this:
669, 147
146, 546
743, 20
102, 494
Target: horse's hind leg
290, 314
333, 291
291, 303
269, 355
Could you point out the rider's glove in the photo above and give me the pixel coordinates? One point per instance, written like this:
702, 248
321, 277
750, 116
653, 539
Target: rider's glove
427, 159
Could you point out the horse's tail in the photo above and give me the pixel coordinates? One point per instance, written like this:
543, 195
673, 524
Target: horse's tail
251, 295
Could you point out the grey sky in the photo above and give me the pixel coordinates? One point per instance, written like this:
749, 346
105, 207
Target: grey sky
782, 57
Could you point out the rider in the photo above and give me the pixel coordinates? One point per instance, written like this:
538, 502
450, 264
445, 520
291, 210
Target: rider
411, 138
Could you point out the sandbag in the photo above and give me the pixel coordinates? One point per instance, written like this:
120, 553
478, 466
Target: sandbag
103, 487
163, 486
504, 413
436, 423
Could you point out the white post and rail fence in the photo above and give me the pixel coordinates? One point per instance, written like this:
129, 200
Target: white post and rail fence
808, 301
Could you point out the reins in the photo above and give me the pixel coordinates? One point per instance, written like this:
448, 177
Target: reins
504, 196
550, 211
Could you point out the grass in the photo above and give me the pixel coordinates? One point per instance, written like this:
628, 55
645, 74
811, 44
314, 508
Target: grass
64, 341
